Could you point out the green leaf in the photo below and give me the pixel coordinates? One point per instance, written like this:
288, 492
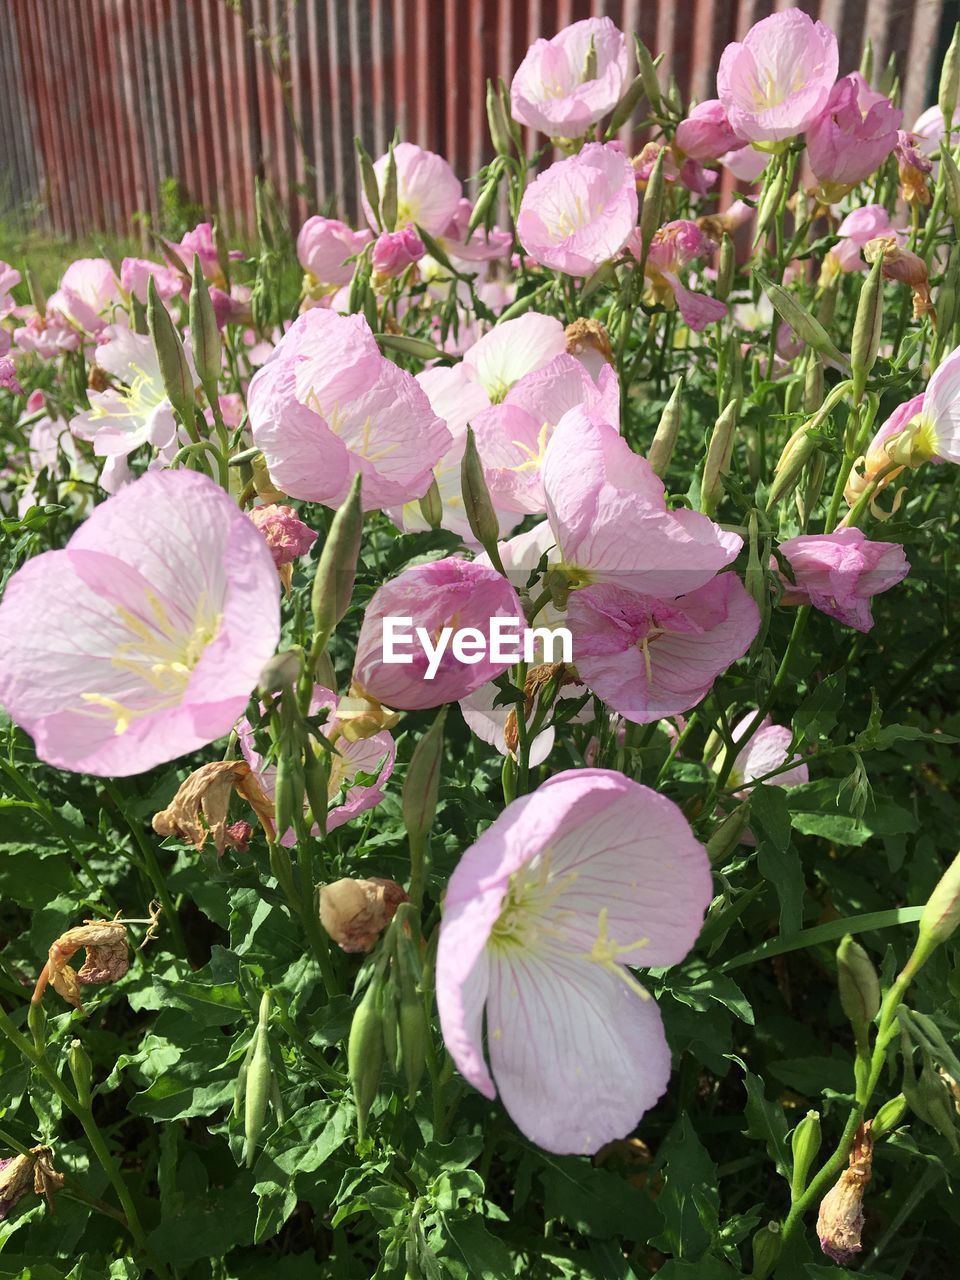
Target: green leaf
594, 1201
468, 1241
777, 859
689, 1201
817, 715
765, 1120
828, 932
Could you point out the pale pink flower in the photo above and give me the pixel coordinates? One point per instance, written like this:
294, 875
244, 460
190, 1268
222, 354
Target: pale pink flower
511, 349
856, 230
570, 885
649, 658
914, 169
457, 400
706, 134
143, 638
609, 515
673, 247
428, 191
932, 432
838, 573
565, 85
441, 594
512, 436
47, 336
482, 246
373, 756
88, 290
231, 307
327, 405
285, 533
928, 129
488, 723
200, 241
768, 749
868, 469
135, 274
135, 410
580, 212
324, 246
776, 82
9, 279
745, 163
8, 377
394, 251
854, 135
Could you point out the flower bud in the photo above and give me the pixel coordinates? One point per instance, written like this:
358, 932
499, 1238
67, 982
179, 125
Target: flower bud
477, 502
859, 988
651, 211
804, 1143
951, 184
794, 458
941, 914
888, 1117
766, 1247
808, 492
648, 74
174, 369
422, 783
665, 437
807, 328
259, 1079
282, 670
486, 200
365, 1050
496, 121
368, 180
773, 194
388, 198
717, 461
81, 1069
813, 385
726, 267
337, 567
840, 1220
867, 328
355, 912
949, 86
205, 336
627, 105
728, 834
413, 1027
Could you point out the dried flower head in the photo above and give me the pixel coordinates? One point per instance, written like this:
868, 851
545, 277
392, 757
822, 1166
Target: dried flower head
207, 792
19, 1173
587, 339
107, 959
840, 1221
905, 267
355, 912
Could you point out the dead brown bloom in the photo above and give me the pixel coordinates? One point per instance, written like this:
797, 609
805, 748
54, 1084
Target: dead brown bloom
840, 1221
107, 959
207, 792
537, 679
588, 335
355, 912
19, 1173
905, 267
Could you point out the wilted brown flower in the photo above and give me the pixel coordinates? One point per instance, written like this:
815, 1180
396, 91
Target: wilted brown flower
355, 912
107, 959
588, 336
905, 267
358, 716
207, 792
19, 1173
840, 1221
537, 678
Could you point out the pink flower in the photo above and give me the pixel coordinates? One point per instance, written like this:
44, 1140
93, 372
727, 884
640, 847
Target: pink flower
8, 377
47, 336
581, 211
838, 573
673, 247
707, 134
511, 349
938, 422
914, 169
566, 84
286, 535
88, 289
928, 129
591, 873
853, 136
649, 658
856, 230
324, 246
200, 241
394, 251
869, 468
327, 404
143, 638
512, 436
9, 279
745, 163
428, 191
768, 749
777, 82
609, 515
135, 275
482, 246
441, 594
374, 755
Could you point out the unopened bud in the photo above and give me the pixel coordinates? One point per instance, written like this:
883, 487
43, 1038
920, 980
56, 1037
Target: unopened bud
949, 86
813, 384
627, 105
951, 184
413, 1028
174, 370
355, 912
388, 200
337, 566
368, 180
889, 1116
866, 60
477, 502
281, 670
766, 1247
205, 336
808, 493
365, 1050
859, 988
496, 121
728, 834
867, 328
486, 200
726, 267
648, 73
651, 211
770, 201
81, 1069
421, 785
717, 461
258, 1083
804, 1144
941, 914
807, 328
665, 437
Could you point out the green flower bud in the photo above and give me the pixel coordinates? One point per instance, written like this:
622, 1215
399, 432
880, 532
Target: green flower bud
665, 436
717, 460
773, 193
951, 184
388, 201
651, 211
486, 199
174, 369
431, 505
205, 337
866, 60
421, 785
807, 328
477, 502
627, 105
37, 1021
365, 1050
81, 1069
497, 122
766, 1246
804, 1143
259, 1079
648, 74
859, 988
726, 267
316, 780
949, 85
888, 1117
727, 835
368, 180
813, 384
941, 914
337, 567
808, 493
867, 328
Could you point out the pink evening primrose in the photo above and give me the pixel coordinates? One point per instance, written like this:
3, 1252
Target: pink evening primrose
768, 749
673, 247
565, 85
394, 251
143, 638
324, 247
776, 82
935, 432
441, 594
649, 658
374, 756
838, 573
609, 516
570, 885
135, 274
428, 191
580, 212
327, 405
706, 134
284, 532
859, 228
852, 137
88, 290
874, 467
512, 436
512, 349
